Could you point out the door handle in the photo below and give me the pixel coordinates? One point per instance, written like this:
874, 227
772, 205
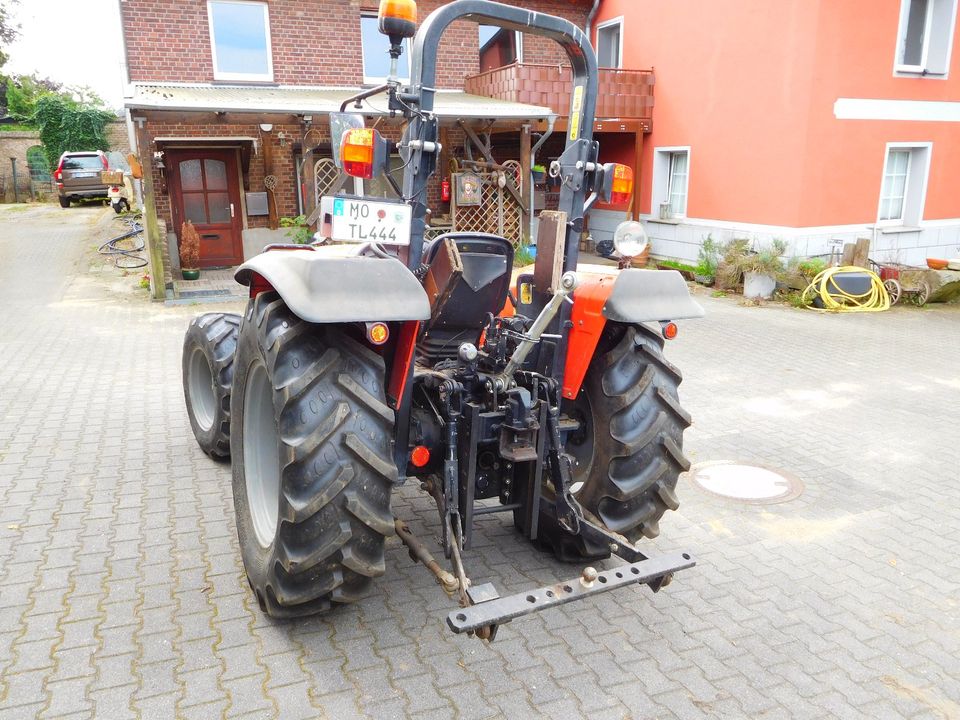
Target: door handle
231, 210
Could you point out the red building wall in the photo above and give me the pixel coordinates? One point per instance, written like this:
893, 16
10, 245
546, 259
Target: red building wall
751, 86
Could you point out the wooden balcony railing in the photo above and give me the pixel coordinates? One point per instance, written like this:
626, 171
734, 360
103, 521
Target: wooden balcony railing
624, 94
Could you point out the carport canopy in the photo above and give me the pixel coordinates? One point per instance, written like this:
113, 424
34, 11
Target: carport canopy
449, 105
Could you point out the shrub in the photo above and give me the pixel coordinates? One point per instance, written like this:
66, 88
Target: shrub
189, 247
298, 230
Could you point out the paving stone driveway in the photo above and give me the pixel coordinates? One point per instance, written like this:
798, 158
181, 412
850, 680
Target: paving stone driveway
122, 593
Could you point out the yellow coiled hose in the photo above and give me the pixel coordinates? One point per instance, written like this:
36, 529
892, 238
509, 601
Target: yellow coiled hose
834, 299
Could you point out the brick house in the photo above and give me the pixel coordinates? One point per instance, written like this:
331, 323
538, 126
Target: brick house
229, 101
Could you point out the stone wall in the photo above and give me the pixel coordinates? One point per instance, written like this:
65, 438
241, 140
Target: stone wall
15, 145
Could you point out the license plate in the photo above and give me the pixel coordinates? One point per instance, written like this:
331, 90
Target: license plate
369, 221
85, 175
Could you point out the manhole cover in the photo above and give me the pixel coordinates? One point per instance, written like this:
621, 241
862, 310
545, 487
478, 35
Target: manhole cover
747, 483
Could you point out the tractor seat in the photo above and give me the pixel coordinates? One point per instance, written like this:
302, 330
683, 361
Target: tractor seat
487, 264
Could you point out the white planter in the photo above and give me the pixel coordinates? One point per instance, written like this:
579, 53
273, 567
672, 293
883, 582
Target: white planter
757, 285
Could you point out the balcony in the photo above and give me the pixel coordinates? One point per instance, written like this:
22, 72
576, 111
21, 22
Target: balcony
625, 95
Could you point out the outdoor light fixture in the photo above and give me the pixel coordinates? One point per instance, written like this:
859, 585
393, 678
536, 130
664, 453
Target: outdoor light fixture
158, 160
266, 127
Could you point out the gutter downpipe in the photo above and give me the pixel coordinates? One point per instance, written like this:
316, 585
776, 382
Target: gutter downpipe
125, 77
588, 29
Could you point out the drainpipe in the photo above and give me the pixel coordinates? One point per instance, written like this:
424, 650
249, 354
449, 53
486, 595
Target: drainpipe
125, 77
590, 18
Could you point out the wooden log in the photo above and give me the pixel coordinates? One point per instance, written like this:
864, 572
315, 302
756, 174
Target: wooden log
846, 259
551, 236
861, 253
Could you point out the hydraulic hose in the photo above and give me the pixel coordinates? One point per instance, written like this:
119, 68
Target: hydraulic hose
835, 299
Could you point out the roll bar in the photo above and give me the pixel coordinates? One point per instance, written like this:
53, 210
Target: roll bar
571, 38
417, 105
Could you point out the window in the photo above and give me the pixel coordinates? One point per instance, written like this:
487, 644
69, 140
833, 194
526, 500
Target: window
610, 43
83, 162
376, 58
499, 47
240, 38
678, 184
925, 36
671, 179
904, 184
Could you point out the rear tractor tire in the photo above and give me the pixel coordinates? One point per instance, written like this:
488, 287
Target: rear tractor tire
313, 468
628, 453
208, 352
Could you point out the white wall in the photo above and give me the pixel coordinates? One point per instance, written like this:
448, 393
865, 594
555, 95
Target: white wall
682, 240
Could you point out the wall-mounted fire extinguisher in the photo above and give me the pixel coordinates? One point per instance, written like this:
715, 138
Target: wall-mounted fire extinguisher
445, 190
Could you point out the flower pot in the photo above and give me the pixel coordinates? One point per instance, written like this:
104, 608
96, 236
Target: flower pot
190, 274
538, 176
758, 285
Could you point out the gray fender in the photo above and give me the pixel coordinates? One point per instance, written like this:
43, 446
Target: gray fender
650, 296
323, 289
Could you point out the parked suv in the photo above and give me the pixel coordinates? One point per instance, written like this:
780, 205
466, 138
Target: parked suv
78, 176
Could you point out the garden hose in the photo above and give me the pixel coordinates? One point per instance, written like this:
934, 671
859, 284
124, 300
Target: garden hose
835, 299
126, 258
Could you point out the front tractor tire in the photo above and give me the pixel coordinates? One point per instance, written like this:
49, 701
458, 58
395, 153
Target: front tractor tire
313, 465
208, 351
628, 454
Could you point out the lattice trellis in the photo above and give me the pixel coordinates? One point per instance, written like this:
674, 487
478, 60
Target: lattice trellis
325, 172
499, 212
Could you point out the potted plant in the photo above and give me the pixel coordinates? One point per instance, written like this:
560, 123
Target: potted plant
539, 173
761, 269
731, 253
189, 251
707, 261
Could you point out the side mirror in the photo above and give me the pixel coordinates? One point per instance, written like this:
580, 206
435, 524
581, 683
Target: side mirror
339, 124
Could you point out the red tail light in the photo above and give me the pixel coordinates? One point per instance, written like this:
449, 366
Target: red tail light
669, 330
622, 184
106, 163
420, 456
357, 152
58, 173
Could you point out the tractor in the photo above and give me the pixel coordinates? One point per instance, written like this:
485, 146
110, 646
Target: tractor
369, 358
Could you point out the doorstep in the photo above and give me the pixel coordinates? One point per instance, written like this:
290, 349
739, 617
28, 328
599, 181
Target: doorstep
215, 285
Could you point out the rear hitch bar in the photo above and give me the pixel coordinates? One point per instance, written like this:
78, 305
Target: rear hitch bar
498, 610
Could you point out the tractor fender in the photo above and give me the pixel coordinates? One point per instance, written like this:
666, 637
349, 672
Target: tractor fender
627, 296
321, 288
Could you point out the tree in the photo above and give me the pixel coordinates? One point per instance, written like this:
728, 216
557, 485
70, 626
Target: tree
8, 28
66, 125
23, 91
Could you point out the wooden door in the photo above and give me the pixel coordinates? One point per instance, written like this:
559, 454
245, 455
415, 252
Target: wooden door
205, 189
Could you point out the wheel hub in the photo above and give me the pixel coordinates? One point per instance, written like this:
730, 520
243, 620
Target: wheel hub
203, 397
261, 455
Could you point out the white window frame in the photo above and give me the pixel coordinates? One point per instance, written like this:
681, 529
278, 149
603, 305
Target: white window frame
915, 187
935, 11
660, 191
610, 23
217, 74
404, 57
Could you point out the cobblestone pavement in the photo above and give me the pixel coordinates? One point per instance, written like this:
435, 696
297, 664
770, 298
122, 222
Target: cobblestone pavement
122, 593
